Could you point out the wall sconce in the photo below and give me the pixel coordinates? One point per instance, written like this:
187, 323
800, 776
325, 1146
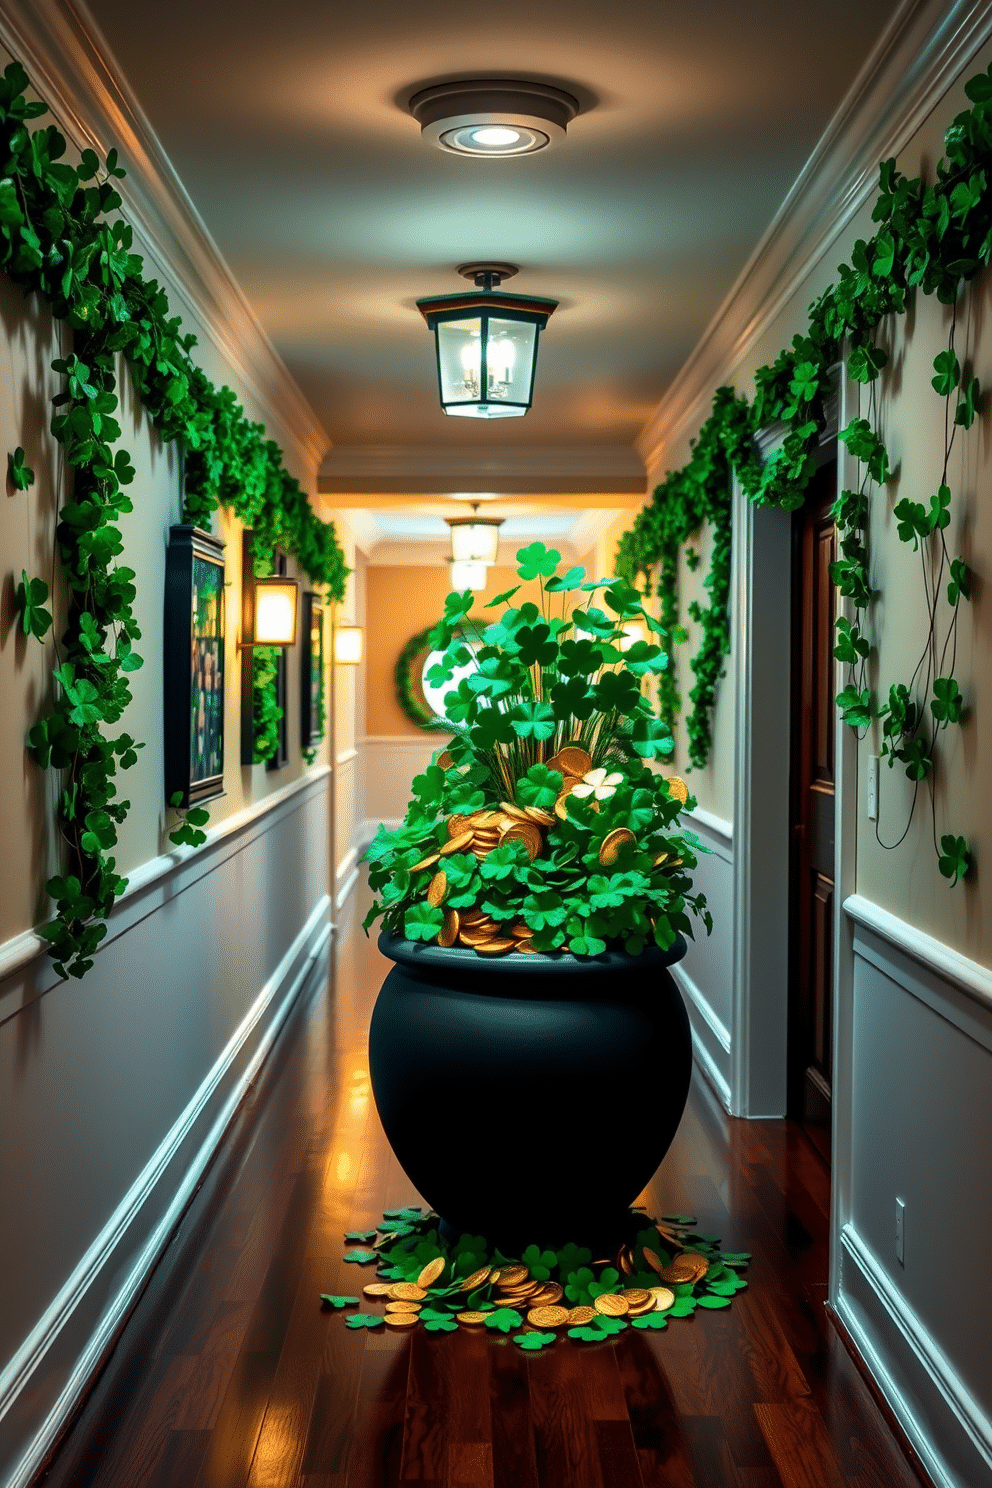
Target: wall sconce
349, 644
269, 611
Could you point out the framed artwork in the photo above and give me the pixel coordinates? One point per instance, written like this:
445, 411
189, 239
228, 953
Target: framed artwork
194, 665
314, 661
280, 565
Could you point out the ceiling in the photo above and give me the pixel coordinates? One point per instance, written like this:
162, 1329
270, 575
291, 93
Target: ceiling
287, 125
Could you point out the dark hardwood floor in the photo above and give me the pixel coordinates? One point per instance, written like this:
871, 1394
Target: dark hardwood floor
229, 1374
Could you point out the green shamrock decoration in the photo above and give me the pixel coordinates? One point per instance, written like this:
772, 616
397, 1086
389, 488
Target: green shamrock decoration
361, 1257
440, 1324
361, 1237
505, 1319
338, 1302
364, 1320
534, 1341
655, 1320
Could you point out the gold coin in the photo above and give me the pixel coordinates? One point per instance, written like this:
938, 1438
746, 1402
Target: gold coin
653, 1259
611, 1304
547, 1317
378, 1289
526, 949
580, 1316
477, 935
471, 1319
457, 825
470, 916
625, 1261
448, 933
425, 863
541, 817
431, 1272
402, 1319
684, 1269
521, 1289
663, 1298
484, 819
677, 788
494, 1277
661, 858
611, 844
574, 760
444, 760
513, 1275
517, 812
475, 1280
437, 889
413, 1307
527, 834
636, 1296
638, 1309
561, 808
550, 1293
406, 1291
520, 931
456, 844
495, 947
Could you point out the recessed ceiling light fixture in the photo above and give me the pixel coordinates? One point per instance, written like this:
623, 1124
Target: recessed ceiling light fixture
486, 344
493, 118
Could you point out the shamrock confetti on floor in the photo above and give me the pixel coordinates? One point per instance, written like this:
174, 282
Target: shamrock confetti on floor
666, 1269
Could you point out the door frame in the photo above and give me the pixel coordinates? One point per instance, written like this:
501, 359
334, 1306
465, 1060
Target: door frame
762, 546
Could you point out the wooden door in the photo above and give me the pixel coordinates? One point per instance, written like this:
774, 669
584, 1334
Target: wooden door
812, 799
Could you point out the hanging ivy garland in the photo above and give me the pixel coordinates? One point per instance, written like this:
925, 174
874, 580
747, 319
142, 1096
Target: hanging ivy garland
934, 238
60, 238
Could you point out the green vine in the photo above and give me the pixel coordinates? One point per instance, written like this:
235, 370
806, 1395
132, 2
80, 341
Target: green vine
933, 238
61, 237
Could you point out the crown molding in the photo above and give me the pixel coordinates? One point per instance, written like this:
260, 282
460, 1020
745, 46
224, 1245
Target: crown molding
428, 470
918, 57
73, 70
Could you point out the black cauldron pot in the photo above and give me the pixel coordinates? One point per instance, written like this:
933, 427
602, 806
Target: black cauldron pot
530, 1098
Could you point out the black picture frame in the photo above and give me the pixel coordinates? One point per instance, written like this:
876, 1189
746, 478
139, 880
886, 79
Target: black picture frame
194, 665
312, 670
280, 565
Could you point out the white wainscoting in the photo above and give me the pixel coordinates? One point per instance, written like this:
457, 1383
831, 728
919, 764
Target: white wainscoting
705, 977
390, 762
921, 1108
115, 1091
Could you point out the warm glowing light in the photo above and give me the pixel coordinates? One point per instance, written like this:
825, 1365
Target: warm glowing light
468, 575
275, 612
633, 631
343, 1167
349, 644
474, 542
501, 357
494, 135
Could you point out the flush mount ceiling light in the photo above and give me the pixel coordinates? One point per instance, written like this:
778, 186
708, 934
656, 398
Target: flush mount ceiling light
486, 344
493, 118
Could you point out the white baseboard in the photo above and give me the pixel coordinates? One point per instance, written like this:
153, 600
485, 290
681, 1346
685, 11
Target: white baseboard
50, 1362
944, 1422
709, 1035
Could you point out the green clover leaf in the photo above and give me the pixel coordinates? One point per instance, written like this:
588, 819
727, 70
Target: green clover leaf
539, 787
955, 859
21, 477
578, 1284
537, 561
422, 922
656, 1320
535, 646
534, 1341
440, 1324
505, 1319
361, 1237
362, 1257
712, 1303
503, 862
338, 1302
533, 719
539, 1262
364, 1320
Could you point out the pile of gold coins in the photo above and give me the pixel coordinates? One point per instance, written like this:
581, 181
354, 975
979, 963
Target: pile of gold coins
540, 1303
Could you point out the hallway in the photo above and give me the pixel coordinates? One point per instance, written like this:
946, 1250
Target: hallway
229, 1373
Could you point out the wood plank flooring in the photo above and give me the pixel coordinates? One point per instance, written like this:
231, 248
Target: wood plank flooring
229, 1374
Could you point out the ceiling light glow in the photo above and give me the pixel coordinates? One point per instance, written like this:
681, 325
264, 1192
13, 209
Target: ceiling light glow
496, 134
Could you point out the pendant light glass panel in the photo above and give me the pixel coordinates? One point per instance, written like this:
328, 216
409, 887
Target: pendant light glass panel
486, 366
468, 574
474, 542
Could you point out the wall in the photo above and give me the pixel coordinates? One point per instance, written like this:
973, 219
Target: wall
114, 1091
913, 989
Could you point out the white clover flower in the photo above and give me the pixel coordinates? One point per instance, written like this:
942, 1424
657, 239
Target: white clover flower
598, 784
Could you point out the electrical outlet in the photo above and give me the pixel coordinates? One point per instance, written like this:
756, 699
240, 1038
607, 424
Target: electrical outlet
901, 1231
873, 787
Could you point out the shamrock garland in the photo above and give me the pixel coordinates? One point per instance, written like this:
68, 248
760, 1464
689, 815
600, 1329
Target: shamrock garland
61, 237
410, 1241
934, 238
597, 861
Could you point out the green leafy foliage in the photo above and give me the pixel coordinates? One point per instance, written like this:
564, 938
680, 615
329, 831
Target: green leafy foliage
189, 832
329, 1300
63, 239
929, 237
534, 1342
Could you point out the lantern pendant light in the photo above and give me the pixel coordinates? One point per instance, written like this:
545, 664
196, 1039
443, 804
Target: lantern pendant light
486, 344
474, 539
